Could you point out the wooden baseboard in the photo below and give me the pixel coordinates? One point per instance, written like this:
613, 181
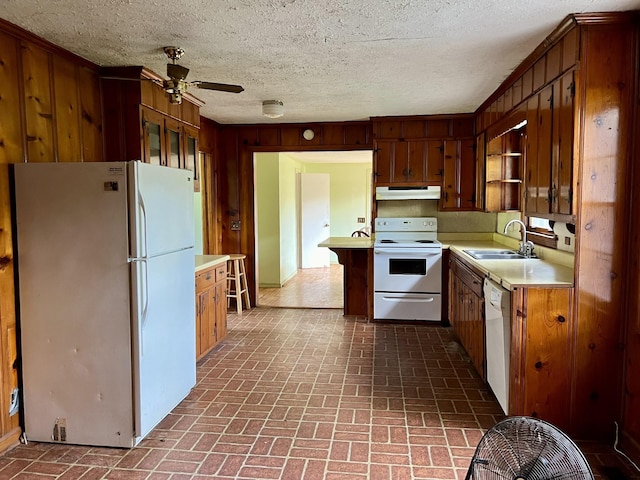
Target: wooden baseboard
10, 440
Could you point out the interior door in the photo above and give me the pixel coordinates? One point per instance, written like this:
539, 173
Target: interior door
314, 219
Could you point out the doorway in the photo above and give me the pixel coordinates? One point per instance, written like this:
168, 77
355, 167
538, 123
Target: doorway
282, 277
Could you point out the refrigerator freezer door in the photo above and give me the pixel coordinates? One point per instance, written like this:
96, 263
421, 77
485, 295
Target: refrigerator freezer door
72, 251
161, 201
163, 290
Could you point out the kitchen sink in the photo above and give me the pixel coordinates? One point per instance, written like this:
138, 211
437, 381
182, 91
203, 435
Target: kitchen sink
495, 255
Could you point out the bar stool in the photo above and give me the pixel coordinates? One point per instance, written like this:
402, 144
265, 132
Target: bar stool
237, 282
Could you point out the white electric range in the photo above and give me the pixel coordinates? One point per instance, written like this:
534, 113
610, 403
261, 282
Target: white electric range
407, 269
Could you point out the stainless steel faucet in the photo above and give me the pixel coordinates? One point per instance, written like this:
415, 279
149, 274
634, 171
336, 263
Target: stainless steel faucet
526, 247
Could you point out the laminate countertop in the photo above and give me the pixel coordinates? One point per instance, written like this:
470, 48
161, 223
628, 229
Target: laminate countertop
527, 272
535, 272
347, 242
207, 261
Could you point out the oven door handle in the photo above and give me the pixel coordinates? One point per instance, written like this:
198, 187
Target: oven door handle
415, 252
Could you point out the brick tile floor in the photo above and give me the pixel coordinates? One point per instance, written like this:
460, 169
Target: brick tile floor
306, 394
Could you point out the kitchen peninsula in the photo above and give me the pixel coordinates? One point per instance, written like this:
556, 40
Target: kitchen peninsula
355, 254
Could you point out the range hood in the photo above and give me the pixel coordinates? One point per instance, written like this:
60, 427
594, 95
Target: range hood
408, 193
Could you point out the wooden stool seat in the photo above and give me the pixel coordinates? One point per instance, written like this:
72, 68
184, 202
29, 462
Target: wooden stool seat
237, 282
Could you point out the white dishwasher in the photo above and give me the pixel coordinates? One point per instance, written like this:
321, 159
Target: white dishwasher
497, 306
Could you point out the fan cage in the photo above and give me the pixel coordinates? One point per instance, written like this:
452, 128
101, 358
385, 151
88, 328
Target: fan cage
526, 448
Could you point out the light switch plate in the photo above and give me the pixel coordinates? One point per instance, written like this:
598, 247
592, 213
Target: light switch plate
235, 225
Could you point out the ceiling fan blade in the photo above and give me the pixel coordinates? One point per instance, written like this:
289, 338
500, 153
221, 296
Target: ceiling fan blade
177, 72
222, 87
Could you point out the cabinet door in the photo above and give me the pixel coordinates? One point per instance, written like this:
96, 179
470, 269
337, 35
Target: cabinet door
174, 147
383, 159
562, 144
190, 154
476, 335
459, 179
221, 311
417, 161
467, 174
203, 309
153, 139
449, 199
542, 177
541, 353
435, 161
532, 158
400, 163
480, 171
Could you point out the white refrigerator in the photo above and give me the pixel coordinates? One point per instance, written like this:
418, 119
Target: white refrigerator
106, 297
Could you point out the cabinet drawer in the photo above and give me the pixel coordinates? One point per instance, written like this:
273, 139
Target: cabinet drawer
221, 272
205, 279
470, 279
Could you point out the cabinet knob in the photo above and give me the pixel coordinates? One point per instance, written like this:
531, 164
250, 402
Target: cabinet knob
561, 318
538, 365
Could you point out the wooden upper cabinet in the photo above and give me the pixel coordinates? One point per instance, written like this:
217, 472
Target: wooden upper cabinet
153, 137
190, 149
503, 171
562, 145
412, 162
460, 176
451, 181
409, 162
549, 161
140, 124
382, 159
468, 172
174, 147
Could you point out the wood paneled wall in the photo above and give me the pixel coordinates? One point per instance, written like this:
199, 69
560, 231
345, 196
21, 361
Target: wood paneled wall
236, 145
604, 49
208, 141
50, 111
630, 435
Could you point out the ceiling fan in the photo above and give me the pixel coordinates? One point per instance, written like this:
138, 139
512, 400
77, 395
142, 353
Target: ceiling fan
177, 85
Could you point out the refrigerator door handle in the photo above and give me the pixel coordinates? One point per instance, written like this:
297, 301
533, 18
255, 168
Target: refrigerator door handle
143, 215
143, 280
146, 302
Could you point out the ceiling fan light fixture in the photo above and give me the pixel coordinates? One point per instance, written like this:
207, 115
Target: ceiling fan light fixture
272, 108
175, 97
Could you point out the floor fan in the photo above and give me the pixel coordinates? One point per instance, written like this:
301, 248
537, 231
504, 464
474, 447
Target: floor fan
525, 448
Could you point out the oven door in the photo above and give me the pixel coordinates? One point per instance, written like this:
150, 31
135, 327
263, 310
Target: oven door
407, 270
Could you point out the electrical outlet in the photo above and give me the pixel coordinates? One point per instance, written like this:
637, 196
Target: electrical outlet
567, 240
235, 225
361, 219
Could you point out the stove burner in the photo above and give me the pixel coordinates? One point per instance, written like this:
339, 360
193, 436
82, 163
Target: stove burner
388, 241
425, 241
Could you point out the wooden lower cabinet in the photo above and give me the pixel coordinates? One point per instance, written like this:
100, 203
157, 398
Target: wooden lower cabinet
541, 362
541, 350
211, 308
466, 311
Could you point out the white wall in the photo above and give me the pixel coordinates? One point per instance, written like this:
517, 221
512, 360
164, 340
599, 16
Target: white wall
289, 168
267, 181
276, 209
349, 197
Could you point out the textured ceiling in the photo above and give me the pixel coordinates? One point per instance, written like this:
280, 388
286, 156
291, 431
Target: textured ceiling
331, 60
